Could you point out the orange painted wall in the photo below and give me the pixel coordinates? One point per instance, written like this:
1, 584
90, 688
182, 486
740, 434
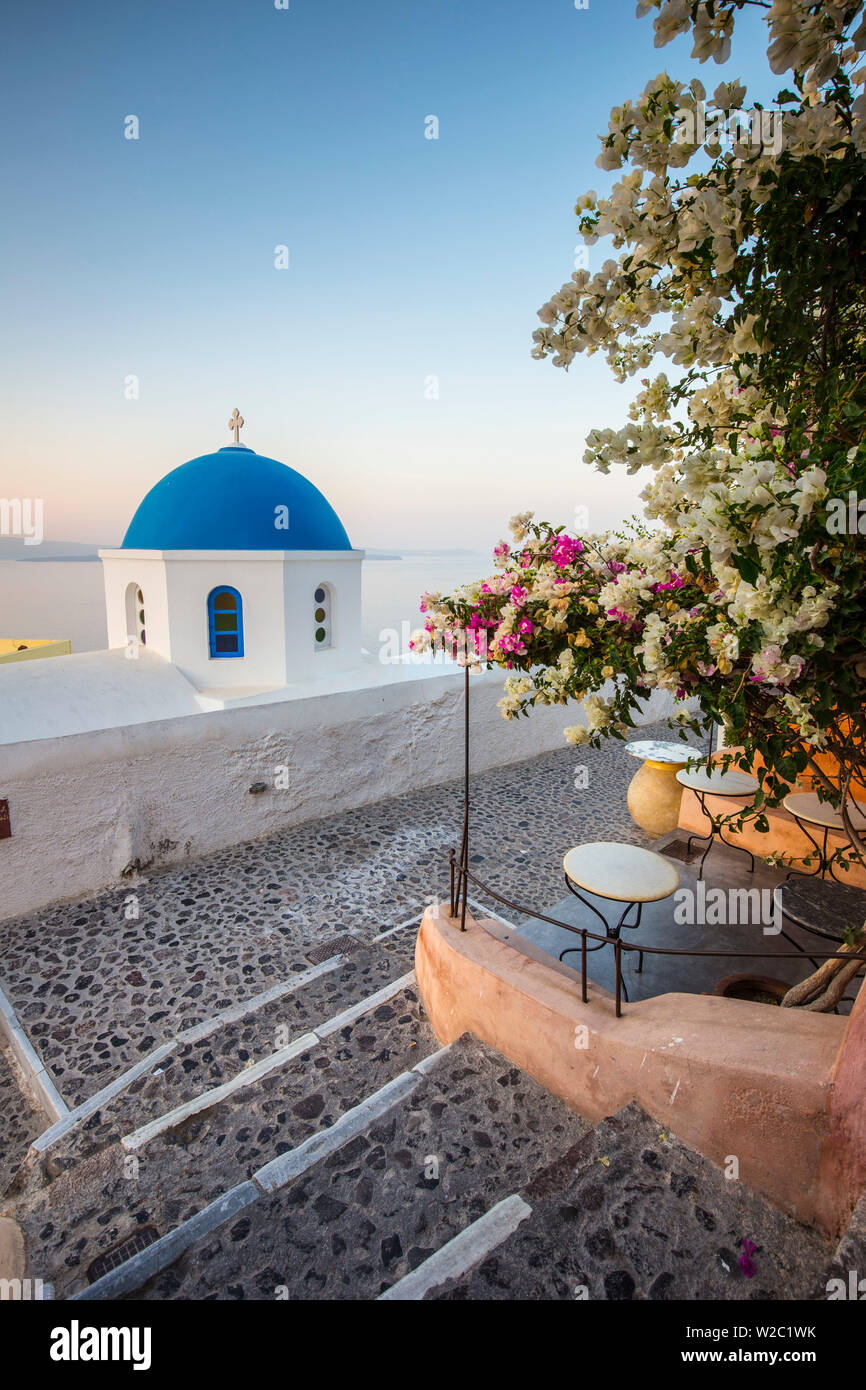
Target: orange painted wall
843, 1166
782, 1089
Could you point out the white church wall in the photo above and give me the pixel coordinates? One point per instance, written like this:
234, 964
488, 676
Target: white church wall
121, 568
87, 807
340, 571
257, 576
277, 591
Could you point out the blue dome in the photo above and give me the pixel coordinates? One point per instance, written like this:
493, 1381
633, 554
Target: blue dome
229, 501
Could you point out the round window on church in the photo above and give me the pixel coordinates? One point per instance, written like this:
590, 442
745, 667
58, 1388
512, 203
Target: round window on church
135, 620
322, 617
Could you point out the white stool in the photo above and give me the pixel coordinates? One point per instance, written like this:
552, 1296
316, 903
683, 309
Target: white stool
808, 809
712, 783
624, 874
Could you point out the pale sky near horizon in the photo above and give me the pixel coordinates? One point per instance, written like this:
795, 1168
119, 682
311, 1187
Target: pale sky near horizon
409, 258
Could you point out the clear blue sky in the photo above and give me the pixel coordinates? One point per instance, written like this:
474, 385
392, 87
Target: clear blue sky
409, 257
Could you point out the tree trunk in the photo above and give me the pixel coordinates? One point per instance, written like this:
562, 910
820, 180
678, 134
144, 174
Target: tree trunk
822, 990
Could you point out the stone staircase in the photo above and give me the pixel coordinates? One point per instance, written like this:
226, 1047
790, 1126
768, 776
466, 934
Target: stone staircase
458, 1134
631, 1213
316, 1142
200, 1112
20, 1120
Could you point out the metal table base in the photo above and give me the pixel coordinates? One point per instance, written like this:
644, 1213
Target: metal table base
612, 933
717, 824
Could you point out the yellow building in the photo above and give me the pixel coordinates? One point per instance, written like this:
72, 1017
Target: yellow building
32, 648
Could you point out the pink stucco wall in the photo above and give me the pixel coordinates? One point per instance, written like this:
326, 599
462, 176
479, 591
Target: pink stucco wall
779, 1090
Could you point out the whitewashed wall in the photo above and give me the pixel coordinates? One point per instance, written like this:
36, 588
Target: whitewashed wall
277, 590
86, 806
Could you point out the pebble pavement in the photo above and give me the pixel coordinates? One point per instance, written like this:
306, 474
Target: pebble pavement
99, 983
19, 1122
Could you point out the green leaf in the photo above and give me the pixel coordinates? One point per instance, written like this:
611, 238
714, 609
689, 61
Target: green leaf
746, 568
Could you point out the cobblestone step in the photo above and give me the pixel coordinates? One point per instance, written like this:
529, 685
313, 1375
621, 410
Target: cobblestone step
469, 1132
212, 1052
20, 1121
157, 1177
92, 1018
631, 1213
845, 1275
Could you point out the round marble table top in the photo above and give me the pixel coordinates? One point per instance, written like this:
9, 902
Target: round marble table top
821, 906
626, 873
807, 806
718, 783
658, 751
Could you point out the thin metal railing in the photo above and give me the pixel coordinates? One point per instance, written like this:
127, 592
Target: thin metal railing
461, 877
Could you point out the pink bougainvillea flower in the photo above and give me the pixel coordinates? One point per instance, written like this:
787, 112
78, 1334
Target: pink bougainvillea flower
564, 551
745, 1260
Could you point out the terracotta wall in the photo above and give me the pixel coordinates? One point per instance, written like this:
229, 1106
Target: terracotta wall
843, 1166
784, 836
782, 1090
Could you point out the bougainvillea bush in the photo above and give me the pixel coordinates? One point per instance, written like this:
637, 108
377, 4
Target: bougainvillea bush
738, 264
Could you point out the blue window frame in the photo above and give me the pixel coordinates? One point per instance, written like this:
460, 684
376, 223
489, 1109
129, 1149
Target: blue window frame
225, 622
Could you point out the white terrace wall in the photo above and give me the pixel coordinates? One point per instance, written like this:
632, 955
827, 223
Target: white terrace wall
85, 807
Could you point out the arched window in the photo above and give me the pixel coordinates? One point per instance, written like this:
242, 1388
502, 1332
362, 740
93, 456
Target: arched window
135, 623
322, 616
225, 622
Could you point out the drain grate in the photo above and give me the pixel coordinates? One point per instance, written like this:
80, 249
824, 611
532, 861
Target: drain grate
334, 946
679, 849
133, 1245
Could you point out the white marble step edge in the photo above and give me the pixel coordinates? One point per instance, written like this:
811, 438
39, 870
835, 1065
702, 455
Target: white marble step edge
36, 1074
66, 1119
266, 1180
462, 1253
172, 1118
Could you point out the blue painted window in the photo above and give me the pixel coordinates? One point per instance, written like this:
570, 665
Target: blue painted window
225, 622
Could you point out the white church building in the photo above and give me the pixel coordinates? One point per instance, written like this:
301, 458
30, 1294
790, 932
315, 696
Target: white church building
234, 698
237, 570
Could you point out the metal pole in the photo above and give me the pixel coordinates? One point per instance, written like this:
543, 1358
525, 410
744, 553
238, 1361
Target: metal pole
464, 853
453, 897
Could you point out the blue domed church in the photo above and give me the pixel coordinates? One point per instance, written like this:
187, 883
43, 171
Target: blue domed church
237, 570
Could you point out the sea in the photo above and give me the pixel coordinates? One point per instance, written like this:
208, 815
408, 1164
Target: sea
65, 598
